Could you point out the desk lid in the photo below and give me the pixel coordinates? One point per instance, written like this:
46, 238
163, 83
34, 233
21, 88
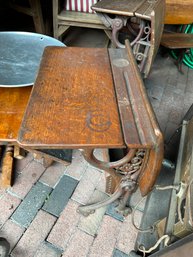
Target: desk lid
73, 103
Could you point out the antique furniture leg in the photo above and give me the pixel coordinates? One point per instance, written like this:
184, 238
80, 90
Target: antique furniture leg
46, 161
7, 167
19, 153
125, 172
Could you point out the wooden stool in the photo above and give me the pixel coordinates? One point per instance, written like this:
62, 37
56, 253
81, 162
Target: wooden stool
98, 101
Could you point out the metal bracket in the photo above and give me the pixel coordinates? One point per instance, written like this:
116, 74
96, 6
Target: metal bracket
125, 172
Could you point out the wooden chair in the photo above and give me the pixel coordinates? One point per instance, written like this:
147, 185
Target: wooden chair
178, 13
63, 20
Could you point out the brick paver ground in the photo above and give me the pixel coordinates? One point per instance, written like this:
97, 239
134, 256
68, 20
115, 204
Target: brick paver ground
45, 227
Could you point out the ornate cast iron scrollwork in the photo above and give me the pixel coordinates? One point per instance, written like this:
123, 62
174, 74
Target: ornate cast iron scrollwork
125, 172
138, 29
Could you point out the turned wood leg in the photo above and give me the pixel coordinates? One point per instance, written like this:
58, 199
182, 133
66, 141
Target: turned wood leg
19, 153
7, 167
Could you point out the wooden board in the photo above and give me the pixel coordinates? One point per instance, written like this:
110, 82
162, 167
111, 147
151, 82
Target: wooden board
13, 102
177, 40
124, 7
138, 119
80, 17
179, 12
149, 8
73, 102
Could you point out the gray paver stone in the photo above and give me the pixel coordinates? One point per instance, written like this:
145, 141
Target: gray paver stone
60, 195
28, 209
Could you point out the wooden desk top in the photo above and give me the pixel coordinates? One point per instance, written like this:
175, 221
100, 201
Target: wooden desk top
73, 103
13, 102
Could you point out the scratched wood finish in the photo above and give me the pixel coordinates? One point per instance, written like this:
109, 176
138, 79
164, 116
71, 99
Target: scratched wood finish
177, 40
179, 12
136, 120
13, 102
124, 7
140, 127
73, 102
148, 8
150, 126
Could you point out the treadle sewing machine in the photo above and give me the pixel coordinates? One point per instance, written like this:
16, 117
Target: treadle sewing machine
142, 20
87, 98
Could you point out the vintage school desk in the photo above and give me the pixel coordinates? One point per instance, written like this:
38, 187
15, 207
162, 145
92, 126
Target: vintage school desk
88, 98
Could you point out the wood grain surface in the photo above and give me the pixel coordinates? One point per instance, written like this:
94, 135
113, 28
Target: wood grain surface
148, 127
179, 12
124, 7
73, 103
13, 102
177, 40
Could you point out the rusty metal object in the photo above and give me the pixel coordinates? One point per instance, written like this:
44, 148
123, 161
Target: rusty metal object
125, 172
